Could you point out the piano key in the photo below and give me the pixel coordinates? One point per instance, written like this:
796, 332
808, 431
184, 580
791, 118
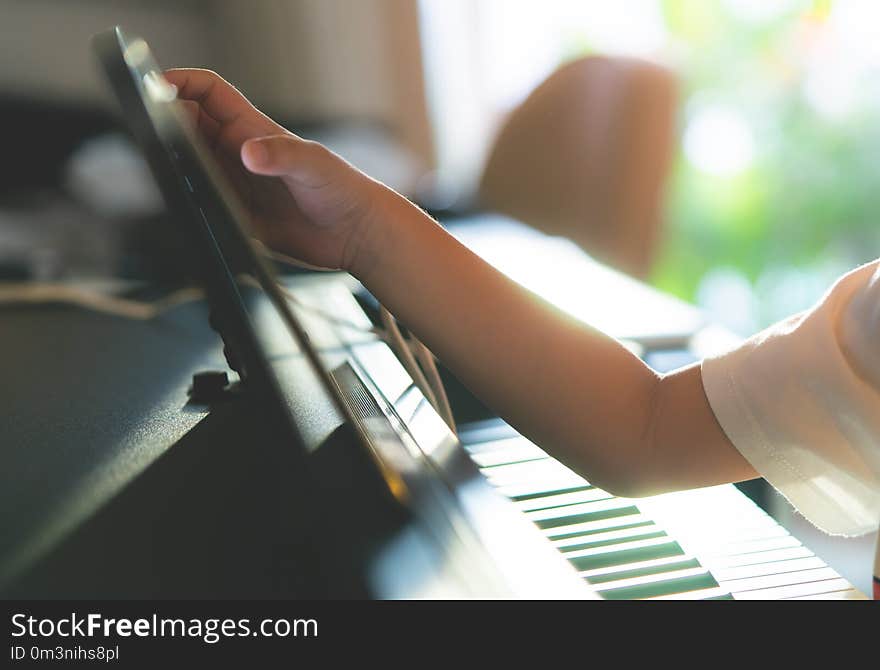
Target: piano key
561, 500
741, 586
732, 532
598, 526
769, 556
652, 586
738, 537
711, 593
556, 516
558, 524
755, 546
530, 491
845, 594
609, 537
538, 472
509, 452
489, 430
816, 588
511, 441
631, 552
764, 569
666, 564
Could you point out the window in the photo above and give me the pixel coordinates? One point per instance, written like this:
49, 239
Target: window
777, 178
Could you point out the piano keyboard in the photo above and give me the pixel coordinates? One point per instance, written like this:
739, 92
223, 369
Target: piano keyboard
706, 544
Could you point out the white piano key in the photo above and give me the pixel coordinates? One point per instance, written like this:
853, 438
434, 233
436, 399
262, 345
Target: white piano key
814, 588
494, 459
489, 452
755, 546
763, 569
769, 556
473, 435
738, 537
538, 472
741, 586
845, 594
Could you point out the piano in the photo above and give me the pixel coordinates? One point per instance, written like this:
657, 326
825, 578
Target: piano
117, 484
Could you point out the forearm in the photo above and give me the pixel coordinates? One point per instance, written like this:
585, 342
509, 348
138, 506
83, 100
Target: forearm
573, 390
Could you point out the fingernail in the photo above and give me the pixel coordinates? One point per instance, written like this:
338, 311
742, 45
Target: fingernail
256, 153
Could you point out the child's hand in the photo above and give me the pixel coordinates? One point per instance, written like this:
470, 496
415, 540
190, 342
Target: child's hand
304, 200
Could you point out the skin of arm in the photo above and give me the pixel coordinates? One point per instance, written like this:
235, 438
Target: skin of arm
574, 391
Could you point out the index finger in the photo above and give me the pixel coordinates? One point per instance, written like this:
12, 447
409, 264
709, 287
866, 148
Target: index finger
237, 118
220, 99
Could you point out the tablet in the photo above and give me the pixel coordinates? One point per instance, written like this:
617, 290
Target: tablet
206, 210
215, 225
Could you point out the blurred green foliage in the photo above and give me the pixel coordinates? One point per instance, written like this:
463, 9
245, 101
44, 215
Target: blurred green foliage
807, 201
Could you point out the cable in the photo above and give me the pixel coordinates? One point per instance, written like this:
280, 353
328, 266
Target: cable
45, 292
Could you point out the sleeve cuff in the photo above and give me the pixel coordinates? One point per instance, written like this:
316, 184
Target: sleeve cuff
793, 406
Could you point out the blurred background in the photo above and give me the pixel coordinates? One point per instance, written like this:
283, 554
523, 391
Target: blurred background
768, 194
728, 150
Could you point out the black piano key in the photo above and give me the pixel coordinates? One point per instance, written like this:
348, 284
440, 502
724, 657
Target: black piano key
564, 524
521, 492
630, 553
562, 500
612, 538
600, 526
570, 515
669, 564
697, 579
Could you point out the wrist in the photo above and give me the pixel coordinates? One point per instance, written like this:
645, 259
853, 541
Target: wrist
377, 236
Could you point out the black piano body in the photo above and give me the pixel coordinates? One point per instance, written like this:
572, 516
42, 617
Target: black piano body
199, 501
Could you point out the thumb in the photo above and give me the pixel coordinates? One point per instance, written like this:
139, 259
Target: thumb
289, 156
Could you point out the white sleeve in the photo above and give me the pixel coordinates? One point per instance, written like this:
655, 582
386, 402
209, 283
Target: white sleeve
801, 402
